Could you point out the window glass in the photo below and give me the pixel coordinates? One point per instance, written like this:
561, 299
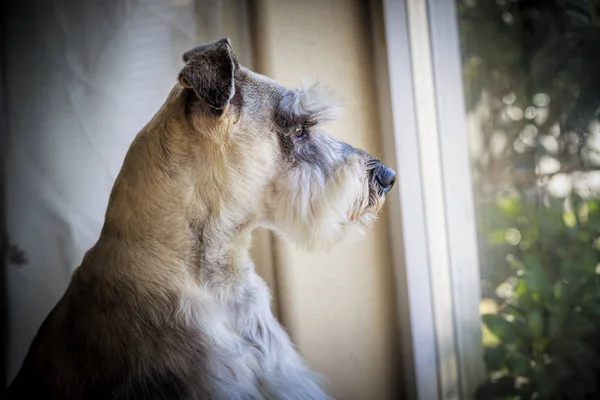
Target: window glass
531, 72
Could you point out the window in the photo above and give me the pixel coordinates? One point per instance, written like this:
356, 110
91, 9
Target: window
532, 94
495, 128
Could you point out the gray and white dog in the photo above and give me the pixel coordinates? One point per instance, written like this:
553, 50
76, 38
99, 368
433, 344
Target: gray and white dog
167, 304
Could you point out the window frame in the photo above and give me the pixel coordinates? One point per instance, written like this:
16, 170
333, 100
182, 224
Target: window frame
432, 212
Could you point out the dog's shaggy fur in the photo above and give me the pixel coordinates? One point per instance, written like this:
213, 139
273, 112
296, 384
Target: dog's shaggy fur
167, 305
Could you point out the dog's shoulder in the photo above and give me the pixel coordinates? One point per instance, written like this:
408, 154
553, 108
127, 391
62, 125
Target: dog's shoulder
101, 341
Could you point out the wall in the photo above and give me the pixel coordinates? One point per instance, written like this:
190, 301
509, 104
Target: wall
339, 307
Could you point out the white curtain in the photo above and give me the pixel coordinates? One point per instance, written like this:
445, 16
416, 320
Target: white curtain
83, 77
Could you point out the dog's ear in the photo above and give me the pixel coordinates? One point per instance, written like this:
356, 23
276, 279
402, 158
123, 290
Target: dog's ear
210, 71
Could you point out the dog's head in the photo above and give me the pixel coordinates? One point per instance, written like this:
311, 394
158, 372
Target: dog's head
265, 154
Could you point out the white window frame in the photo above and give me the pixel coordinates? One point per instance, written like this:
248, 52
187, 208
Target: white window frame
431, 212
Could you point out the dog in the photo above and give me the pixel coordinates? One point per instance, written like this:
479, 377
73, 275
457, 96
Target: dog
167, 304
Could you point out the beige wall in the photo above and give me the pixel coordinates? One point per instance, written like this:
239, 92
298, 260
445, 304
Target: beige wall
339, 307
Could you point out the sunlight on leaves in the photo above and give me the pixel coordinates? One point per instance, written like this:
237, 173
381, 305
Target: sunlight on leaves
512, 236
569, 219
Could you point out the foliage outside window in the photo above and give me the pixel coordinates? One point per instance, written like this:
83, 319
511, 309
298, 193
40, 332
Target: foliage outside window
532, 85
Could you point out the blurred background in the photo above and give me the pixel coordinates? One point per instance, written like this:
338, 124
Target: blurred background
482, 277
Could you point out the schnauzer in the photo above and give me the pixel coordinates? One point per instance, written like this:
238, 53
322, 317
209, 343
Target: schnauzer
167, 304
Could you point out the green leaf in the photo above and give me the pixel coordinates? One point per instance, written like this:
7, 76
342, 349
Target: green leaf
535, 323
506, 331
569, 219
559, 290
495, 357
536, 277
593, 206
518, 364
496, 237
509, 206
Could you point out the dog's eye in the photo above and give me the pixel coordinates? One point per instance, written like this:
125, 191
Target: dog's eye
300, 132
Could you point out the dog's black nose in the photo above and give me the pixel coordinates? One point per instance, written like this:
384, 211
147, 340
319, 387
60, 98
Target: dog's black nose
386, 177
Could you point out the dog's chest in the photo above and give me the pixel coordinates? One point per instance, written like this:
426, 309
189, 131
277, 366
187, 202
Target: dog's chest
239, 326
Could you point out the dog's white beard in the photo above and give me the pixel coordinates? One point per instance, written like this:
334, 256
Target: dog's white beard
316, 213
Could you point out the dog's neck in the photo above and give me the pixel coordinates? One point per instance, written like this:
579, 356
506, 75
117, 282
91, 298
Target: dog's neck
157, 205
221, 247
